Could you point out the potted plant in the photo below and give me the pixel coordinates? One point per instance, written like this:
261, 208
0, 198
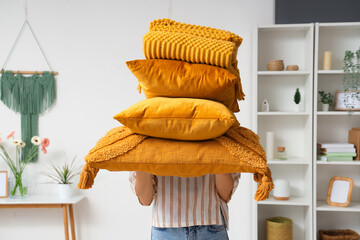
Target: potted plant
351, 79
297, 99
18, 182
63, 175
327, 99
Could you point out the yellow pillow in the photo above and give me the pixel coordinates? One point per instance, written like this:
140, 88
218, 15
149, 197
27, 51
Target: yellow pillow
238, 150
178, 118
171, 78
201, 31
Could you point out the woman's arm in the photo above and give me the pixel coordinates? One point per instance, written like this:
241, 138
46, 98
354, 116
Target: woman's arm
144, 187
224, 185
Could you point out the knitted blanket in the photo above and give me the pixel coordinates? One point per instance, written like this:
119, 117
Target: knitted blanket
238, 150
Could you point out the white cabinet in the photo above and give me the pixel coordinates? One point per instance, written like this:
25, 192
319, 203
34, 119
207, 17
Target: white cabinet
333, 126
294, 45
299, 132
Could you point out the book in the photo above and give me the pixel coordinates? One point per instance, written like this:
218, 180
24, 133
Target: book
338, 154
337, 145
332, 159
337, 150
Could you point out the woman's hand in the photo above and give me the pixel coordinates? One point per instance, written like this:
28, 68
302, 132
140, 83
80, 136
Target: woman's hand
224, 185
144, 187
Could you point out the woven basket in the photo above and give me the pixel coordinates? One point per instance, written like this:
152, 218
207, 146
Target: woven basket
346, 234
279, 228
275, 65
292, 67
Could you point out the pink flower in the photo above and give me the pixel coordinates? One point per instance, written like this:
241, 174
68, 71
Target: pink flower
0, 140
11, 135
45, 142
43, 149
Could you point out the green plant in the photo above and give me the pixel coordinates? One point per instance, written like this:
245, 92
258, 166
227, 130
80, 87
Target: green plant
297, 96
63, 174
326, 98
351, 79
16, 165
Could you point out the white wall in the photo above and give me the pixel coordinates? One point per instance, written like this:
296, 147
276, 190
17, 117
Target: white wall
88, 42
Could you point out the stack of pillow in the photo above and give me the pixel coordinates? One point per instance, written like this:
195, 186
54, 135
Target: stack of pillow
186, 126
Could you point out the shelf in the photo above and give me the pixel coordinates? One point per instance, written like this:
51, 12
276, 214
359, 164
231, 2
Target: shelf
323, 206
275, 113
293, 161
330, 72
293, 201
284, 27
283, 73
339, 113
351, 163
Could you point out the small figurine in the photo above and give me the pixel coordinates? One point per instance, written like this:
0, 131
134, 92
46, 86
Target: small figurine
265, 106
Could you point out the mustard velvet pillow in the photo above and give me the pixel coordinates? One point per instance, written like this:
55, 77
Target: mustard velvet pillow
178, 118
171, 78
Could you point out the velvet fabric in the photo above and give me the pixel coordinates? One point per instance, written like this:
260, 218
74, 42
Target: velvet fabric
172, 78
178, 118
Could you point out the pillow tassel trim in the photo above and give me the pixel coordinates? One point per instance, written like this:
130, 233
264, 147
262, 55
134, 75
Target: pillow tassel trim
241, 142
87, 177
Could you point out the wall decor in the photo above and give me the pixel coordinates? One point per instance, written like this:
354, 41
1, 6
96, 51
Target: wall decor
347, 100
3, 184
339, 192
28, 95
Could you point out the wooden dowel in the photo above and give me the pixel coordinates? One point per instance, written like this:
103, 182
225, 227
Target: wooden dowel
31, 72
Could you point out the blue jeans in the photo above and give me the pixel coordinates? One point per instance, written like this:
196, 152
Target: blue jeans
206, 232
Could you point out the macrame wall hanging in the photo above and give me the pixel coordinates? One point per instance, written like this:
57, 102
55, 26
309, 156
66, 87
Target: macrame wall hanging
29, 93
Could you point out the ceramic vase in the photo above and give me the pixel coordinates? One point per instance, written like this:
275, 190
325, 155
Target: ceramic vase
66, 191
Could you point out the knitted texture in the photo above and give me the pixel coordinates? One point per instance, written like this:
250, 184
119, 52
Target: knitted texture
236, 151
168, 39
201, 31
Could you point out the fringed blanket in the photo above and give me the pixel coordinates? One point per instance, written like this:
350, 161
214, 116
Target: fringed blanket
238, 150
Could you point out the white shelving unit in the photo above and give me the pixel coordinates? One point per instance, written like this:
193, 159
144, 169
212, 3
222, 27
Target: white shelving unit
333, 126
299, 132
293, 44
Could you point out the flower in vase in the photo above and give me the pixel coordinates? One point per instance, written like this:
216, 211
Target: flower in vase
22, 144
36, 140
16, 142
11, 135
18, 163
45, 142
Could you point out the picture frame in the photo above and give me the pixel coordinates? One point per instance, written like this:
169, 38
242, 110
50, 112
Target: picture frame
339, 192
3, 184
347, 100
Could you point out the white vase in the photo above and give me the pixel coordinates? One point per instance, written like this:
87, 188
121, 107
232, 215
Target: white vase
65, 191
325, 107
297, 107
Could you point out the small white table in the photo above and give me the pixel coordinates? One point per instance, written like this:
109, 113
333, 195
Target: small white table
47, 202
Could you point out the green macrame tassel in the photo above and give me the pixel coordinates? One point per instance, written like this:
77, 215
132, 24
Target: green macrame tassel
29, 96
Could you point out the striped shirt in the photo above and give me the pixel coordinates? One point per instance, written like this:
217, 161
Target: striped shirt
185, 202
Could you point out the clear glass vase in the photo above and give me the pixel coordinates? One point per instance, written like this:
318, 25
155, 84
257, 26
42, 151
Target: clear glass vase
18, 185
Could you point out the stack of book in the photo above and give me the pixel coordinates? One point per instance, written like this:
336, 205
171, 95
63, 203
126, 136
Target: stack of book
337, 152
